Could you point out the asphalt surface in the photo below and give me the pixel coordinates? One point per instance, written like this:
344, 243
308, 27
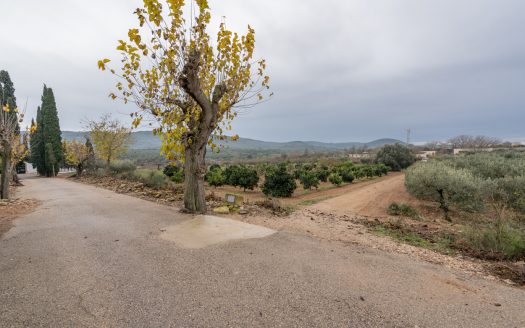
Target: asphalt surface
91, 258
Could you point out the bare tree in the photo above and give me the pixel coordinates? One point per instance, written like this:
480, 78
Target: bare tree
466, 141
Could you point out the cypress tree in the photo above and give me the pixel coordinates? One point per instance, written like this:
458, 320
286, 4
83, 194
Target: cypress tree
47, 140
37, 144
7, 96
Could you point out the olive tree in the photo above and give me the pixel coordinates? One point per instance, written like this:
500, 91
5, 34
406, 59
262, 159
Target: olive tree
438, 182
192, 86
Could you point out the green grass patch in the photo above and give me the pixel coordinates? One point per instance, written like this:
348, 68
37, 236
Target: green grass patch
400, 209
439, 243
314, 201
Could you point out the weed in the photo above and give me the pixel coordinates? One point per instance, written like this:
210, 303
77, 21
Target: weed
406, 210
497, 241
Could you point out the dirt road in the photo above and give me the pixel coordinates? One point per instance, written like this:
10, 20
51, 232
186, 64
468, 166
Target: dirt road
371, 198
88, 257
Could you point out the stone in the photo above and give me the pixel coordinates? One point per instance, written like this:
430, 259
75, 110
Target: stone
222, 210
234, 199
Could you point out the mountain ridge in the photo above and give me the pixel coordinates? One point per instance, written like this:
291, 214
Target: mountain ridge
145, 140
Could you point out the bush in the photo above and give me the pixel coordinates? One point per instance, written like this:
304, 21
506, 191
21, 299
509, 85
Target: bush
309, 180
118, 167
247, 178
335, 179
323, 173
397, 157
151, 178
215, 176
171, 169
100, 172
174, 172
380, 169
178, 177
397, 209
447, 186
498, 242
241, 176
231, 174
279, 183
345, 171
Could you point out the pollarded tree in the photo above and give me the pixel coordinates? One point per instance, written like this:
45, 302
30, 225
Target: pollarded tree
193, 89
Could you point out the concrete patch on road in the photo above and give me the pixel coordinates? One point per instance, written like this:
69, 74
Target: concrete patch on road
209, 230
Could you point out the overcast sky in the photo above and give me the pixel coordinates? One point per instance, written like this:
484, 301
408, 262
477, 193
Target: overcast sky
352, 70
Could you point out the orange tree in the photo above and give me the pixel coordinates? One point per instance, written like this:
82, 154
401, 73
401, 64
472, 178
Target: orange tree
191, 86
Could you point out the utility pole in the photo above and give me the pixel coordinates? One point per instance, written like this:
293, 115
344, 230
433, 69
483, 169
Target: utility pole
408, 136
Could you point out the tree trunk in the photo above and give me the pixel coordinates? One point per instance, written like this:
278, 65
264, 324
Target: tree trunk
14, 176
79, 168
6, 169
194, 172
444, 205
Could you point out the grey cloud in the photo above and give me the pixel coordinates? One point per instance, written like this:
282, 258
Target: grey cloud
341, 70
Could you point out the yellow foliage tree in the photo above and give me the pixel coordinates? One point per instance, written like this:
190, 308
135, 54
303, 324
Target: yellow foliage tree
110, 138
192, 88
77, 154
11, 147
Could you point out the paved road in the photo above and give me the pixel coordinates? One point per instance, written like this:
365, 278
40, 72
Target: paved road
92, 258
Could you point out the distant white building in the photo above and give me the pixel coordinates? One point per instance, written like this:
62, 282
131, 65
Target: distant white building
30, 168
360, 156
458, 151
426, 154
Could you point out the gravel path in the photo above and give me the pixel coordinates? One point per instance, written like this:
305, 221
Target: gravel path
88, 257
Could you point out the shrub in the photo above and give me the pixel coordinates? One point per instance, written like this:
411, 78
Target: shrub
447, 186
150, 178
335, 179
380, 169
397, 209
498, 242
241, 176
174, 172
323, 173
178, 177
397, 157
247, 178
279, 183
346, 171
100, 172
309, 180
123, 166
215, 176
170, 169
231, 174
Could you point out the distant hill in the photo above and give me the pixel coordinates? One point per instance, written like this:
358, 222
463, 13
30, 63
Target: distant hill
146, 140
